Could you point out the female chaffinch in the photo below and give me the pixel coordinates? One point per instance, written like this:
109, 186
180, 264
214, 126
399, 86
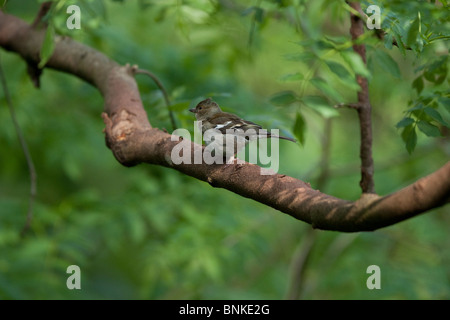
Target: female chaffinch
229, 127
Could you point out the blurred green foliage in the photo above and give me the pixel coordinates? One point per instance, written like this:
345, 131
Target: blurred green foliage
151, 233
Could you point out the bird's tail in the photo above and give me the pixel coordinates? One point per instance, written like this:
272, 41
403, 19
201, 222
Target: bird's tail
284, 138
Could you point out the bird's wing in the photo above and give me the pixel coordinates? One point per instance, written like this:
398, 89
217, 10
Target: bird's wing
226, 121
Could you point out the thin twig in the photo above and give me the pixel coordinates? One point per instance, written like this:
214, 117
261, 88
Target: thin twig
163, 90
26, 152
32, 67
299, 264
43, 10
329, 256
347, 105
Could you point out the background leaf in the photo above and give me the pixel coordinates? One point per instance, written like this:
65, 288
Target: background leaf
413, 32
429, 129
48, 46
409, 137
320, 105
291, 77
300, 128
387, 63
284, 98
327, 89
404, 122
343, 74
418, 84
355, 62
436, 116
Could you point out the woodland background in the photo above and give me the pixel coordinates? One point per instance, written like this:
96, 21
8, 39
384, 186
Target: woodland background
152, 233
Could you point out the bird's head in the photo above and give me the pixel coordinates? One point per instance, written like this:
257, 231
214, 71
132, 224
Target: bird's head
205, 109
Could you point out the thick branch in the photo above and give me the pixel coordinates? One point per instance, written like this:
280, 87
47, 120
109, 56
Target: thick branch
133, 141
364, 107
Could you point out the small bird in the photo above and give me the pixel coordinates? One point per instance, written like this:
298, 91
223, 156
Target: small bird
241, 131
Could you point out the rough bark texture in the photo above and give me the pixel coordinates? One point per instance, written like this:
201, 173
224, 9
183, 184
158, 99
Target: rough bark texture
133, 140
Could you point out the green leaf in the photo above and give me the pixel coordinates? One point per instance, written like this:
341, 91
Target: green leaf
292, 77
300, 128
301, 56
320, 105
47, 46
428, 75
409, 136
397, 31
388, 41
418, 106
429, 129
433, 113
445, 102
193, 14
356, 63
343, 74
418, 84
437, 71
387, 63
413, 32
284, 98
326, 89
404, 122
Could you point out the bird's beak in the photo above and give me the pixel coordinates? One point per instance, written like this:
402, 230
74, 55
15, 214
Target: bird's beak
193, 110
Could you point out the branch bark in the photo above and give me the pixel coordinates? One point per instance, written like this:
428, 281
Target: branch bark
133, 140
364, 108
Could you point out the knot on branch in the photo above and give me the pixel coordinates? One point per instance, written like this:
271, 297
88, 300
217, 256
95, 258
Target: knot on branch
118, 130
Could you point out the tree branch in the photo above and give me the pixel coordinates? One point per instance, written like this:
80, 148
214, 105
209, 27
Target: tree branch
163, 91
32, 67
132, 140
43, 10
364, 107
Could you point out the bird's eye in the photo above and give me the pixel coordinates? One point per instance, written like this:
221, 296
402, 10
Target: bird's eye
199, 108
